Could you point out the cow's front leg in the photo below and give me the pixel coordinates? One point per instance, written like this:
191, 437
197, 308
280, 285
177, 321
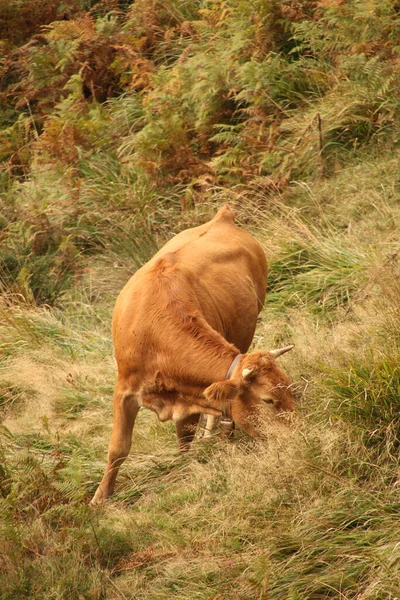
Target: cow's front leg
207, 429
126, 408
186, 430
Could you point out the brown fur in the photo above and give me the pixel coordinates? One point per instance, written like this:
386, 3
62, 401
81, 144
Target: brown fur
178, 324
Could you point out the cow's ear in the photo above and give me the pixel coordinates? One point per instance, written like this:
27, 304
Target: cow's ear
222, 390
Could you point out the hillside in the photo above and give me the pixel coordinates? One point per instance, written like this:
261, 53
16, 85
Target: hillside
122, 123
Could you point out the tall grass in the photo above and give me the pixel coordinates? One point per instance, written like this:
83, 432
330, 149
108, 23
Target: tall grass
316, 270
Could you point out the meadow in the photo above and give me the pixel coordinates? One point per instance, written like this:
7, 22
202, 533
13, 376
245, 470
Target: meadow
121, 124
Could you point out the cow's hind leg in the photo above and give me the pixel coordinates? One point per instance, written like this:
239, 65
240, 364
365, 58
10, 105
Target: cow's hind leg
126, 408
186, 430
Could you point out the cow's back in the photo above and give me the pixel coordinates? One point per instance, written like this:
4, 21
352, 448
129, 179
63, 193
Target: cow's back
222, 268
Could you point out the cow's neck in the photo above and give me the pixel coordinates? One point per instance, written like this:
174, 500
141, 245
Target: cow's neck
183, 350
196, 361
209, 368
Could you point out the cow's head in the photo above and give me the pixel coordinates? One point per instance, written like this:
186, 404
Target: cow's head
259, 390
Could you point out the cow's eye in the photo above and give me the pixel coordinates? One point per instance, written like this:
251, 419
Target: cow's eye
268, 400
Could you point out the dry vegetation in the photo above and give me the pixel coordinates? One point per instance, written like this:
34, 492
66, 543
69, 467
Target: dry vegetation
120, 124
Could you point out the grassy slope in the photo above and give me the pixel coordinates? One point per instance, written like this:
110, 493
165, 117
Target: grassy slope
311, 515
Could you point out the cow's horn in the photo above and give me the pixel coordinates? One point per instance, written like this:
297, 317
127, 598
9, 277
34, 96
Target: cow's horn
280, 351
246, 373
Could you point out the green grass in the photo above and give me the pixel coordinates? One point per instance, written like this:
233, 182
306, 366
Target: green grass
368, 394
321, 273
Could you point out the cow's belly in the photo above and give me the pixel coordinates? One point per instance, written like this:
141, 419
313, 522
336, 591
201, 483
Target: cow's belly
168, 409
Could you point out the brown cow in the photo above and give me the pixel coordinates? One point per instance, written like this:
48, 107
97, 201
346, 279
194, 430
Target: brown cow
180, 324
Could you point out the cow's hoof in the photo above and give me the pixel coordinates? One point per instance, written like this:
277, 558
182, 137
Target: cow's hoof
98, 499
